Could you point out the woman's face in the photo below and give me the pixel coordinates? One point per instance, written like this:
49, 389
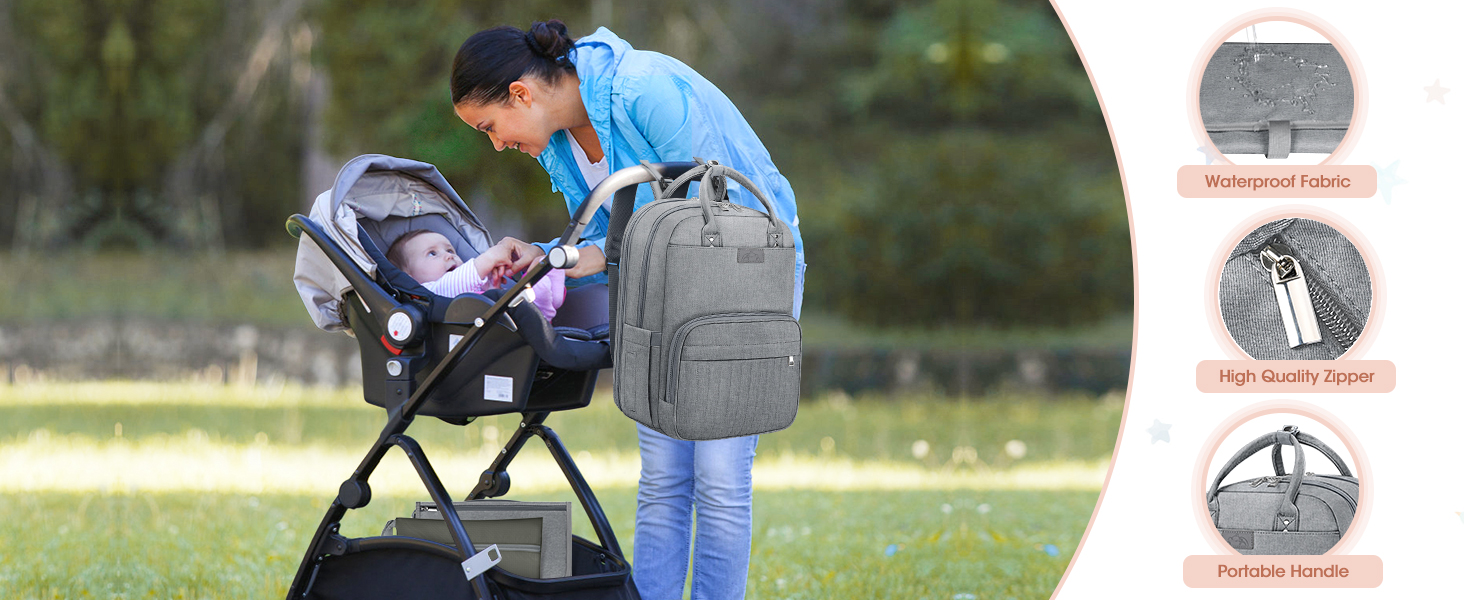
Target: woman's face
522, 123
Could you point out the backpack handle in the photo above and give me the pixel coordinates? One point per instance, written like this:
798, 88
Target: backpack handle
1287, 516
1316, 444
714, 188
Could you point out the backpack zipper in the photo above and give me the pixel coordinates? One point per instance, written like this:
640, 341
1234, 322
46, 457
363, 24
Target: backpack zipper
1335, 320
1306, 306
1275, 480
640, 317
1351, 502
1293, 296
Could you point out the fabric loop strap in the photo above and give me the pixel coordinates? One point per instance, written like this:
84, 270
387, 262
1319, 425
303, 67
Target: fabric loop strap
1279, 139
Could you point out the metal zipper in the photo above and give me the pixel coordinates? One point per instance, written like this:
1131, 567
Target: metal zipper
1332, 316
1336, 490
1293, 297
1275, 480
1306, 305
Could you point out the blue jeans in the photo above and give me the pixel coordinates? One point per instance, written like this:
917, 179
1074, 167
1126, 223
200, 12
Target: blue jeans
715, 478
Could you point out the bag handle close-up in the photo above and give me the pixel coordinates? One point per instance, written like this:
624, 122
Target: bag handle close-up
1287, 515
714, 189
1316, 444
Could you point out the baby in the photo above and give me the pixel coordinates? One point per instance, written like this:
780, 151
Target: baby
429, 257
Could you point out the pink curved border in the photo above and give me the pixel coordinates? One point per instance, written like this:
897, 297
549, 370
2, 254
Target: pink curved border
1349, 56
1369, 257
1134, 260
1200, 484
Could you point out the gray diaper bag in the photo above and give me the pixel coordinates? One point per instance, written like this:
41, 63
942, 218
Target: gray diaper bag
706, 346
1284, 514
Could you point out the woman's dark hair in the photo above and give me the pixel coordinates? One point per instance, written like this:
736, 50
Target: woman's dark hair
494, 58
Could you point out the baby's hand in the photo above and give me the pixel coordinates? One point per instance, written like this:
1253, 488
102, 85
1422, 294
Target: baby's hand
494, 263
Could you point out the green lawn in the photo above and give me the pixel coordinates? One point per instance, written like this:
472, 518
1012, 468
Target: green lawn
102, 498
257, 288
806, 544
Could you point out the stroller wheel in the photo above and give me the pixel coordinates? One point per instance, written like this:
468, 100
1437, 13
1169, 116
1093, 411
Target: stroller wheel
492, 485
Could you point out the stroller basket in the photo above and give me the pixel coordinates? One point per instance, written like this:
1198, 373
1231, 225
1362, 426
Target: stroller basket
453, 358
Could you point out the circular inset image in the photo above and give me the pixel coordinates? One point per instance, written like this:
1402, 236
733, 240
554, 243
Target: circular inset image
1295, 289
1275, 90
1282, 484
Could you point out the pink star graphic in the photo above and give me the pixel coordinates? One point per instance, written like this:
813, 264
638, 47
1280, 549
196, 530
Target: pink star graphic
1435, 92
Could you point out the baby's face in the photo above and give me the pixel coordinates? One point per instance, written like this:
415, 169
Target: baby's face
429, 256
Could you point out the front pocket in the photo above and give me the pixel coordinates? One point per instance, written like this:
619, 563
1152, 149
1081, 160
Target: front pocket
734, 374
633, 373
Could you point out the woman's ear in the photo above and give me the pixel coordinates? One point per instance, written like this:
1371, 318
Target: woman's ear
519, 91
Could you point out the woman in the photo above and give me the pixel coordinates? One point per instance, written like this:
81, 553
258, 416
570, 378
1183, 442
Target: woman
586, 108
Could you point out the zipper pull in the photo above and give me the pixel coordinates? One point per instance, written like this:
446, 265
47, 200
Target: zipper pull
1292, 296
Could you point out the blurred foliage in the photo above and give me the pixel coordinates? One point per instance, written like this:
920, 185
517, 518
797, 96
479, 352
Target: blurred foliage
950, 157
168, 121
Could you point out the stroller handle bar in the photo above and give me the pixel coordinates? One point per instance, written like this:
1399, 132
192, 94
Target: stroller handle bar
618, 184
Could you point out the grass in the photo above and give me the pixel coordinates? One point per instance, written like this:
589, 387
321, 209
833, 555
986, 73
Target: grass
990, 544
249, 287
256, 287
131, 490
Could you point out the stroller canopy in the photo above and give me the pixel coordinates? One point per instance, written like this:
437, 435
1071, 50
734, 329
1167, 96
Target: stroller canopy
375, 199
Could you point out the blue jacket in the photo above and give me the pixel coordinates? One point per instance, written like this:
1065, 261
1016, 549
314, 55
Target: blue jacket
648, 106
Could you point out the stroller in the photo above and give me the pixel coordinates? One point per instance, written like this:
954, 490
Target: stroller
451, 358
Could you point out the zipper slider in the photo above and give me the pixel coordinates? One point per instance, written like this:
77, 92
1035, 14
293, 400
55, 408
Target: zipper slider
1292, 296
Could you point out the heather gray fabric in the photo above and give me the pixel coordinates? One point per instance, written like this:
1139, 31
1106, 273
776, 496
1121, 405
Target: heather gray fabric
1293, 543
1248, 302
706, 346
534, 537
1240, 124
1296, 513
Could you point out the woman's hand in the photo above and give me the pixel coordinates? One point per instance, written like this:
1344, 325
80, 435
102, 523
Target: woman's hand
591, 260
521, 253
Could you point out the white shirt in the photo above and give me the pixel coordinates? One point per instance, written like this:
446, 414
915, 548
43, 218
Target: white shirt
594, 173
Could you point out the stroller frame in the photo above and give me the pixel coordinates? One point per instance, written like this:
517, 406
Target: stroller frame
355, 492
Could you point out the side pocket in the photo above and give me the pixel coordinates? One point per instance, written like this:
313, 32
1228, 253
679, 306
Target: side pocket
632, 373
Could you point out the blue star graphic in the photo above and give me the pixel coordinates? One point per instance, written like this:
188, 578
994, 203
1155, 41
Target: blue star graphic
1158, 431
1210, 154
1387, 179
